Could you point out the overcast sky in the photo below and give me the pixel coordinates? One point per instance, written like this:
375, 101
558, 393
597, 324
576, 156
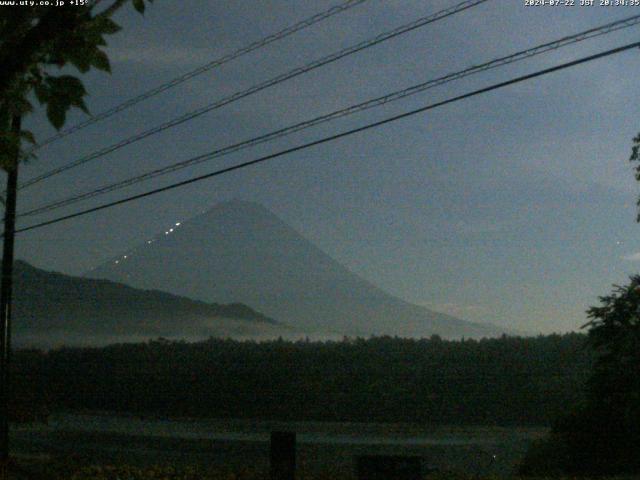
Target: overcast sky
515, 207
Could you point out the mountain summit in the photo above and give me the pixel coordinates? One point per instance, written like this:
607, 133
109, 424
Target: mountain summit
241, 252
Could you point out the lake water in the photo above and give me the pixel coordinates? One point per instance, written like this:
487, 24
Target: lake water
233, 444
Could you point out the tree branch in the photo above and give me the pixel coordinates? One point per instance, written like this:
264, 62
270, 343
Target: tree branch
16, 57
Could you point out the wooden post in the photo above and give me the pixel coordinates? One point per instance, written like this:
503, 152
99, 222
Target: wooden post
283, 456
388, 467
5, 296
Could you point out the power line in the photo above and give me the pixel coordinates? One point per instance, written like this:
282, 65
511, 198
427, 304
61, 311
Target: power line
259, 87
307, 22
515, 57
330, 138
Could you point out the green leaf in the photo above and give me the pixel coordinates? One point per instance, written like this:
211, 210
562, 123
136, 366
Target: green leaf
101, 61
139, 5
66, 87
42, 92
106, 26
9, 145
56, 113
21, 106
81, 61
28, 136
79, 103
5, 119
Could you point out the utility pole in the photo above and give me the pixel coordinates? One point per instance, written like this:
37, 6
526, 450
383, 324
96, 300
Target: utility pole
5, 294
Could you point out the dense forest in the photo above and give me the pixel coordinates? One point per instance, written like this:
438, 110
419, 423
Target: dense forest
508, 380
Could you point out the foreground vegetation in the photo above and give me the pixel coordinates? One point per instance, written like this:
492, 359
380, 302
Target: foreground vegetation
65, 470
505, 381
601, 435
71, 470
585, 386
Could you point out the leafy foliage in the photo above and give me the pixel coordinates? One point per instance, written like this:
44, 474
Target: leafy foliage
38, 39
614, 332
635, 157
603, 434
59, 94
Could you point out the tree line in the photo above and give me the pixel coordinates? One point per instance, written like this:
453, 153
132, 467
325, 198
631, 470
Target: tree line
503, 381
600, 435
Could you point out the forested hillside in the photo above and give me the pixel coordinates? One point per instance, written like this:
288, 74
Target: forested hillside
493, 381
56, 309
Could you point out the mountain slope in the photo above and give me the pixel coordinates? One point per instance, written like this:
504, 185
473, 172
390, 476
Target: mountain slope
240, 252
52, 308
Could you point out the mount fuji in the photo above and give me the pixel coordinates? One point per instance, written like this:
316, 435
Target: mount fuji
239, 251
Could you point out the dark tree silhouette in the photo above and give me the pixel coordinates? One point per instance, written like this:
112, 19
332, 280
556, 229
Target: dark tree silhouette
614, 386
505, 381
35, 40
601, 436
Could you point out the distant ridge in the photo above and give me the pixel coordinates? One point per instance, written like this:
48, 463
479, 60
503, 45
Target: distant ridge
241, 252
55, 309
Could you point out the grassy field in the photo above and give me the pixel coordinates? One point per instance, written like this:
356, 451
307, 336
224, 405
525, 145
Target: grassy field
73, 469
179, 452
324, 450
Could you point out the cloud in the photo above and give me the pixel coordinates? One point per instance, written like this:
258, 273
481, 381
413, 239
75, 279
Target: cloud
634, 257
